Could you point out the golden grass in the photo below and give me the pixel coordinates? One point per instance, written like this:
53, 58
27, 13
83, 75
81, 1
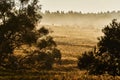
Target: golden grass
72, 42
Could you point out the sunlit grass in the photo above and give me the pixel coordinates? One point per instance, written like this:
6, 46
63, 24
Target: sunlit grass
72, 42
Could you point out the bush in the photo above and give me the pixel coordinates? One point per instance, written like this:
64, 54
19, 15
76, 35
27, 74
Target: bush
107, 58
87, 60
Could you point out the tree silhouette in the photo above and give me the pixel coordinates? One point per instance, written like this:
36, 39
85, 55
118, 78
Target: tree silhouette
109, 45
107, 56
18, 27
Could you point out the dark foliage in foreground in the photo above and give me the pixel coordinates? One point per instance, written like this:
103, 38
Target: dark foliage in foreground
106, 58
17, 28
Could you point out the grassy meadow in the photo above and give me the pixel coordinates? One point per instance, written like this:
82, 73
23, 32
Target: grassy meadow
72, 41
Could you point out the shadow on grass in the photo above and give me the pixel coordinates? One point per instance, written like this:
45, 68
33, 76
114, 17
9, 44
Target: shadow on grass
67, 62
67, 65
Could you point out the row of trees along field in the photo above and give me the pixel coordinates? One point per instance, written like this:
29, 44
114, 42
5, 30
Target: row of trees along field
79, 18
47, 12
18, 21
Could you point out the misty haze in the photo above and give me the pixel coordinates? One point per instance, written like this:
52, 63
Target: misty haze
59, 40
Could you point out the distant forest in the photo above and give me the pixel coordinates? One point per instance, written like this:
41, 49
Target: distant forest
79, 18
74, 12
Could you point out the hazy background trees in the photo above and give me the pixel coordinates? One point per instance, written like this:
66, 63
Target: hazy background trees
80, 19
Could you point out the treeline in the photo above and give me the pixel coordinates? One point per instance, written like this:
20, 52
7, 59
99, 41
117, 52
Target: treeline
79, 18
80, 13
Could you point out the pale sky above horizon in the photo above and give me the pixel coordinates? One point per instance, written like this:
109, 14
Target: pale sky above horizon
84, 6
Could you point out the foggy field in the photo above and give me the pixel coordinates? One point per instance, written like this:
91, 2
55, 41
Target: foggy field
69, 40
76, 33
72, 42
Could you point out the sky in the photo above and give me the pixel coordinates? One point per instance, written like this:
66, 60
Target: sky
85, 6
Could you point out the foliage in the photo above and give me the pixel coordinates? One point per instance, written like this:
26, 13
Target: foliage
86, 61
108, 53
17, 28
109, 47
